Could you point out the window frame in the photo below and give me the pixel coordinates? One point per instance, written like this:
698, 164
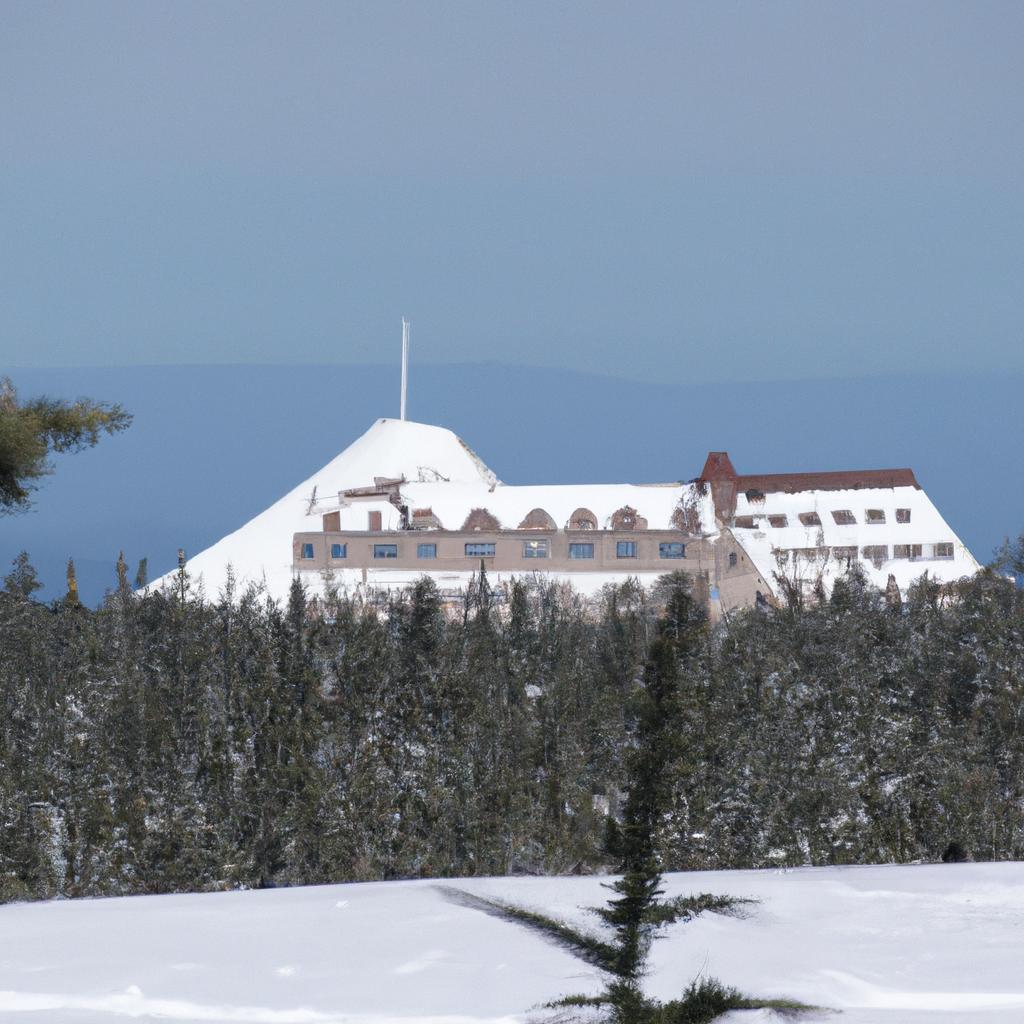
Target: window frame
581, 551
424, 547
489, 548
666, 549
630, 545
339, 550
539, 547
306, 552
385, 551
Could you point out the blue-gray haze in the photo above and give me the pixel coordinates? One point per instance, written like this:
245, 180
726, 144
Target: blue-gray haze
663, 190
212, 446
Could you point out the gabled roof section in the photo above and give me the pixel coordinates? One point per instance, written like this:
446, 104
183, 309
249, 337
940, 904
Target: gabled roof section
726, 483
842, 480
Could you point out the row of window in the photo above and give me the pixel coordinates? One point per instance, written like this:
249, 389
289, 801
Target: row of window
842, 517
531, 549
872, 552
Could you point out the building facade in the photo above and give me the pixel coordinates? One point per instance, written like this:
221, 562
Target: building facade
746, 538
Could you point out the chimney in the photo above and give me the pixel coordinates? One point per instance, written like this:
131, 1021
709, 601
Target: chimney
719, 472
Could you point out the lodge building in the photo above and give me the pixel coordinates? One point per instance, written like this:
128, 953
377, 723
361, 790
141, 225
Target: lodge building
744, 535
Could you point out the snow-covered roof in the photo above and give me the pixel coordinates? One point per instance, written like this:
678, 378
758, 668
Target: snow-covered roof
924, 527
432, 469
261, 550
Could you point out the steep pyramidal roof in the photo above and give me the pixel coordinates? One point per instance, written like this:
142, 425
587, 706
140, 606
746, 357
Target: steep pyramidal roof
261, 549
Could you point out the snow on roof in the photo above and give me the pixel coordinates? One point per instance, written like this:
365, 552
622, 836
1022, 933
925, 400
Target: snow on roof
261, 550
924, 527
433, 469
511, 504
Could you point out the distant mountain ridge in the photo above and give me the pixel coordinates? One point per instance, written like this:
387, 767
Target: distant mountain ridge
211, 446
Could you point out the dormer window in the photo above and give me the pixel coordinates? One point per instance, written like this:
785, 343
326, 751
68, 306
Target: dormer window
810, 519
582, 519
874, 516
744, 522
844, 517
903, 515
876, 553
911, 551
778, 522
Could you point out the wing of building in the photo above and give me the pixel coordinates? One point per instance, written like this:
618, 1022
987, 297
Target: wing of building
408, 499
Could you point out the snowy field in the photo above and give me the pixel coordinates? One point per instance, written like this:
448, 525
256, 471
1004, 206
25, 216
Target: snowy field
884, 945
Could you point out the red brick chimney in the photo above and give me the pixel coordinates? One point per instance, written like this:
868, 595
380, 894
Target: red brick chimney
720, 473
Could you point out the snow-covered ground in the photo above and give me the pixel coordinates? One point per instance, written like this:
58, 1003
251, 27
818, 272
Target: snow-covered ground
885, 945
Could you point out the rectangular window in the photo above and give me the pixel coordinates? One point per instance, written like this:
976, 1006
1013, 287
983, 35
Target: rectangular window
844, 554
625, 549
670, 549
339, 550
810, 519
844, 517
874, 515
581, 550
903, 515
876, 553
426, 551
535, 549
778, 521
808, 554
479, 550
385, 550
307, 550
944, 550
744, 522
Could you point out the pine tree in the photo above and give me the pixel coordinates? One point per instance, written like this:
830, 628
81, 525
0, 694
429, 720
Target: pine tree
632, 913
30, 431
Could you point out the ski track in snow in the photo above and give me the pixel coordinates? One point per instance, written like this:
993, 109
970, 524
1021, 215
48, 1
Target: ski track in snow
132, 1003
855, 992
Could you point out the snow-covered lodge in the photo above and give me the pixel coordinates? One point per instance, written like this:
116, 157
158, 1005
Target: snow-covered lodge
408, 499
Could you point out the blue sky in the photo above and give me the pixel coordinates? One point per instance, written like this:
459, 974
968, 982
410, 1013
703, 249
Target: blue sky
654, 191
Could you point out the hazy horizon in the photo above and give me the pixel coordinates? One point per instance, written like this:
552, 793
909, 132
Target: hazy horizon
212, 446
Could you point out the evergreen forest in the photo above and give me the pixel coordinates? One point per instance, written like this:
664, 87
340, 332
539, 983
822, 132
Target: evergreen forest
167, 741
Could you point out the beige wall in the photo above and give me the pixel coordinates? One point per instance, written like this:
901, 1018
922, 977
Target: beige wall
509, 544
736, 584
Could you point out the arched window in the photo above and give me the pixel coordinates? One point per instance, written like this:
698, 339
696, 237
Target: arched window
479, 519
537, 519
582, 519
627, 518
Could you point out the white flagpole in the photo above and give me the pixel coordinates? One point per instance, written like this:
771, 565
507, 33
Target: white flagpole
405, 362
